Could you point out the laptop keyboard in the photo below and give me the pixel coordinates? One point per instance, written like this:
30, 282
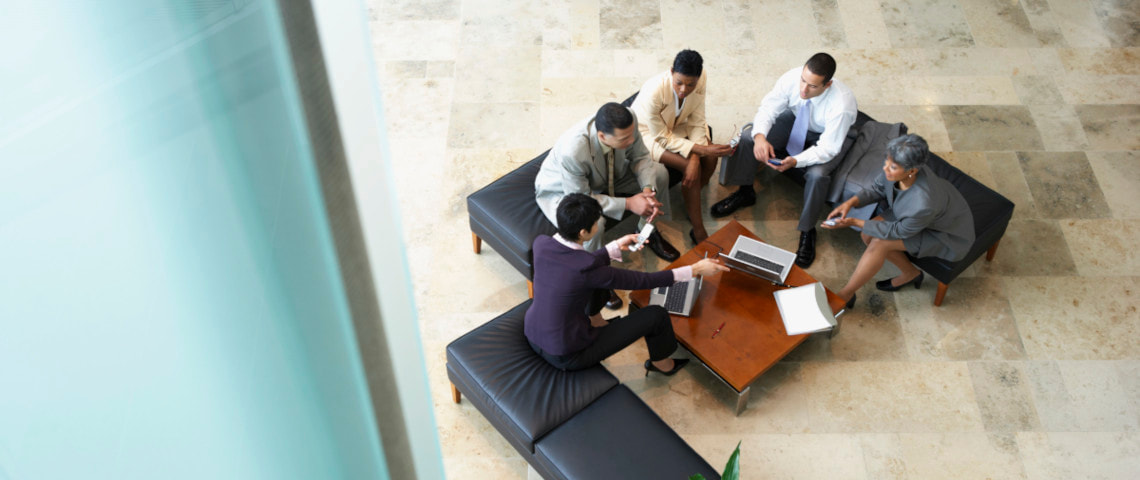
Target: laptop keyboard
759, 262
675, 299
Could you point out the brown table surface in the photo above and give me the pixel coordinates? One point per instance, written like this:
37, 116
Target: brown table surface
753, 338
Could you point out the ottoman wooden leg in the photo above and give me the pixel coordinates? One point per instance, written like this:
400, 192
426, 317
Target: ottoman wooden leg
455, 395
941, 294
993, 249
530, 288
476, 242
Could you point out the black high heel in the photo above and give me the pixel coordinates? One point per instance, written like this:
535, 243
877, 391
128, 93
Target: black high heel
851, 303
885, 285
693, 237
678, 364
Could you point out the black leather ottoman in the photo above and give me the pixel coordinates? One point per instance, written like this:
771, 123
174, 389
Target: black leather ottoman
583, 424
618, 436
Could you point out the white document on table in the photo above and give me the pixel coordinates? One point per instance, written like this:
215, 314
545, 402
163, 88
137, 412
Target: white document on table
805, 309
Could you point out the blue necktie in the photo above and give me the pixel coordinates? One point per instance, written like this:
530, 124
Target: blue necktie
799, 130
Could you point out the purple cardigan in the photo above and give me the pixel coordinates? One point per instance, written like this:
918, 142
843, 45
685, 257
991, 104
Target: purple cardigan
564, 278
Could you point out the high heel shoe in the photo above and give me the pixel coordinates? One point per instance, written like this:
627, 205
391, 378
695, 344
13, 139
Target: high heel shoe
851, 303
885, 285
678, 364
693, 237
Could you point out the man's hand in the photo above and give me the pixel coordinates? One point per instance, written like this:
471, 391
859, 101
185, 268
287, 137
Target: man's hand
644, 204
713, 150
782, 165
708, 266
692, 171
626, 241
762, 149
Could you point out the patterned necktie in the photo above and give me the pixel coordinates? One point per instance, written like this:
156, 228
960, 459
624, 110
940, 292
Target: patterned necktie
799, 130
610, 166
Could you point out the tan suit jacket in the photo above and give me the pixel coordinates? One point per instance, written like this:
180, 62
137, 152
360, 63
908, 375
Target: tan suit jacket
660, 128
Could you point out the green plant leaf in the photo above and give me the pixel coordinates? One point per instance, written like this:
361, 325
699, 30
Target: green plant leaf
732, 468
696, 476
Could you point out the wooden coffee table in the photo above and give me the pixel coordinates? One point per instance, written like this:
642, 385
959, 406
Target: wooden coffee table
753, 337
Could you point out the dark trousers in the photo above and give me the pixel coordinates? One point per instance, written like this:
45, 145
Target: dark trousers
741, 168
651, 322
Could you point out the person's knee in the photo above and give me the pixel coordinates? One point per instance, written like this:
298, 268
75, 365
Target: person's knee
816, 175
865, 238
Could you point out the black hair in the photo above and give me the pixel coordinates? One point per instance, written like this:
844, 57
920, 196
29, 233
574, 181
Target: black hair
612, 116
688, 63
577, 212
823, 65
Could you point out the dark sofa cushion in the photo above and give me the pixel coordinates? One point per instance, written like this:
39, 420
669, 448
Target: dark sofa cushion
864, 161
519, 392
506, 215
619, 436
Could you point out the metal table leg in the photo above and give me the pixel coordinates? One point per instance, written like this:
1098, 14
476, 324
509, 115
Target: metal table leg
742, 400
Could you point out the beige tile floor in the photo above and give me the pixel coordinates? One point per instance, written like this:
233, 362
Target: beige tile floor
1031, 369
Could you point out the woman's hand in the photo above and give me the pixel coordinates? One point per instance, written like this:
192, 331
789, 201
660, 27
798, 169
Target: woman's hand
626, 241
839, 215
708, 266
844, 222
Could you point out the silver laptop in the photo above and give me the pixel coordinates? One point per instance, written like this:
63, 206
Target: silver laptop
677, 298
760, 259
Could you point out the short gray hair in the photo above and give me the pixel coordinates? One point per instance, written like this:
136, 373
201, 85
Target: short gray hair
908, 151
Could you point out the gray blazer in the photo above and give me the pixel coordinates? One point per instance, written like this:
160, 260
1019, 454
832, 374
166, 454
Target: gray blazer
930, 217
576, 164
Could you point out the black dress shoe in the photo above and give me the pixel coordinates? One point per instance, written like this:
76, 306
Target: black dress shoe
678, 364
886, 286
693, 237
615, 302
661, 247
805, 255
739, 198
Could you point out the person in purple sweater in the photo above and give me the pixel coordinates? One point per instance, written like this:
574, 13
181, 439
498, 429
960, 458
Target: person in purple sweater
564, 324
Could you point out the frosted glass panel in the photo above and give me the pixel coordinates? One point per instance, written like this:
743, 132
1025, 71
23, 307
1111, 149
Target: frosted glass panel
170, 303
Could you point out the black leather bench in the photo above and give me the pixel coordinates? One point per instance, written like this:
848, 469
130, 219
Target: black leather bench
567, 425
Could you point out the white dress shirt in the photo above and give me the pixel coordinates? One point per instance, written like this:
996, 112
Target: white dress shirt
832, 114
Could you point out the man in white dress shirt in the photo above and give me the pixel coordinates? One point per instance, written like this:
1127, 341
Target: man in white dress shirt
798, 129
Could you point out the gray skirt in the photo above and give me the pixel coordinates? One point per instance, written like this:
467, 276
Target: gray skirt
926, 243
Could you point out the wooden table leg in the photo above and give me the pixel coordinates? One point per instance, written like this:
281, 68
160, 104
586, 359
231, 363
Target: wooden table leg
476, 242
455, 395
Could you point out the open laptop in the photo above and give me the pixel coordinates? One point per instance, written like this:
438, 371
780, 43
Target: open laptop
677, 298
760, 259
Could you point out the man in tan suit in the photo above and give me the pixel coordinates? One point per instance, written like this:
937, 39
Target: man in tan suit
671, 107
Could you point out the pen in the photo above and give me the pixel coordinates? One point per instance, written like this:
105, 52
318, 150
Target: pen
717, 330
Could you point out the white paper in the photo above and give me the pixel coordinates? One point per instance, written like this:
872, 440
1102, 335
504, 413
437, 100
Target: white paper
805, 309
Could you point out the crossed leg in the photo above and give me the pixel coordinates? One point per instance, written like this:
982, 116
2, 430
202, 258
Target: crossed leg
878, 251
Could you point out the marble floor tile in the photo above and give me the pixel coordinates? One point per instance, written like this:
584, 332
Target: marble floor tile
926, 23
580, 63
696, 25
402, 41
974, 164
863, 24
506, 74
1037, 90
1065, 455
883, 397
989, 61
1111, 127
572, 24
1101, 61
916, 90
422, 119
975, 322
485, 31
999, 24
1104, 247
592, 92
1030, 247
786, 456
1063, 185
1009, 180
1043, 23
879, 62
644, 63
1085, 396
1084, 88
829, 23
1091, 319
980, 127
631, 25
960, 456
439, 69
480, 125
1118, 174
1005, 396
557, 120
397, 10
780, 24
1079, 24
870, 331
1059, 127
1120, 21
883, 455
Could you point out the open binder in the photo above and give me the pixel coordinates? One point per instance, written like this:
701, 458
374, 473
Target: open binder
805, 309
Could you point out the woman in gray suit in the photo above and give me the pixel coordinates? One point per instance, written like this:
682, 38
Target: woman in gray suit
925, 216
